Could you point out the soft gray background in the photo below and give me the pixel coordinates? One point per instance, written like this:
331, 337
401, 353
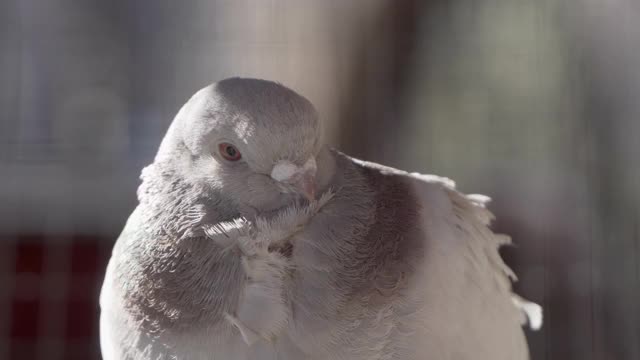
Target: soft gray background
534, 103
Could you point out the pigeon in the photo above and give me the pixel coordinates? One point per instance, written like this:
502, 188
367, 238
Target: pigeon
253, 239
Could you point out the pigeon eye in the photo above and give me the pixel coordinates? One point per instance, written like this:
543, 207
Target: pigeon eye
229, 152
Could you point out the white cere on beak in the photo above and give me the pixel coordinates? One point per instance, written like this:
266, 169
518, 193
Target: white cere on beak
301, 178
284, 170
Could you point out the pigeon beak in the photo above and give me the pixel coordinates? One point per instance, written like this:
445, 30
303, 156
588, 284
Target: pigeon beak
301, 178
306, 185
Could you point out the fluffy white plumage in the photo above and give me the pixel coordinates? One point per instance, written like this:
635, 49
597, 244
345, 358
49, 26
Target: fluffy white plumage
225, 260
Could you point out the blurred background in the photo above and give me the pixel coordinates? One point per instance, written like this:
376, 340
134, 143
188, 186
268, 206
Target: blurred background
531, 102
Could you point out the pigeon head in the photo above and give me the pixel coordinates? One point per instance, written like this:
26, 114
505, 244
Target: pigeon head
252, 141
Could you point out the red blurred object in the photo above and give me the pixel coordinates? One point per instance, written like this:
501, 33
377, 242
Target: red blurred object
52, 287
